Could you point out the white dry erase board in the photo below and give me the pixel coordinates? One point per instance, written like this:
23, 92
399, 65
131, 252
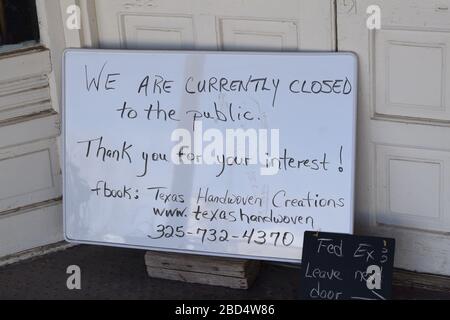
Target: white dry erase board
218, 153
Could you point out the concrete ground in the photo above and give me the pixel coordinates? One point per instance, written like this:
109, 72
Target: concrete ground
115, 273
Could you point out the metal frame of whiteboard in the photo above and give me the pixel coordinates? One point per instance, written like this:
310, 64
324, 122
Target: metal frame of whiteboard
197, 252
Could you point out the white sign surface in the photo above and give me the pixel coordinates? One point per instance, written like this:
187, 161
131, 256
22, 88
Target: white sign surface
219, 153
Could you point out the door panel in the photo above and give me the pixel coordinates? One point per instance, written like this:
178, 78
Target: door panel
242, 34
39, 177
403, 152
410, 75
31, 227
139, 32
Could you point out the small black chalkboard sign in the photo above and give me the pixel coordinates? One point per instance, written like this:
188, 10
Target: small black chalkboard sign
339, 266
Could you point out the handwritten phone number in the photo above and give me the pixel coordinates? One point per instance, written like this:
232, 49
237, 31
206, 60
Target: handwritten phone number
260, 237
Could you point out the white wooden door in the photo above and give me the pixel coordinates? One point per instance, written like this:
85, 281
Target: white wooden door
30, 174
403, 151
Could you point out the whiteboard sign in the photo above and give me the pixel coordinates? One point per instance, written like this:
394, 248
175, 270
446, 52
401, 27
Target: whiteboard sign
218, 153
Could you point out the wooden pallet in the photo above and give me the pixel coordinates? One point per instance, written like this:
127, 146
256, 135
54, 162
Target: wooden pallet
215, 271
